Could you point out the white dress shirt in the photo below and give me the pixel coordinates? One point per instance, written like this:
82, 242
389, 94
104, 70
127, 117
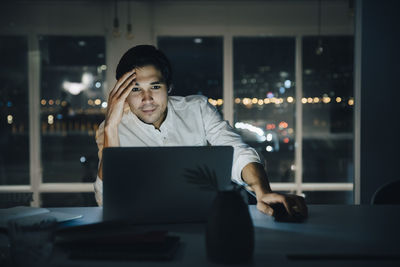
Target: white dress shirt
190, 121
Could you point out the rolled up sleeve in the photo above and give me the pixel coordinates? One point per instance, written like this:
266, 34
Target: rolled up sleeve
98, 191
98, 184
219, 132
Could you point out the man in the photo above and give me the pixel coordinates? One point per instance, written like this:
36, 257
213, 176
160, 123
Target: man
140, 113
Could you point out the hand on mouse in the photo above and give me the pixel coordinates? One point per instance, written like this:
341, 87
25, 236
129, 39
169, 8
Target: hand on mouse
283, 207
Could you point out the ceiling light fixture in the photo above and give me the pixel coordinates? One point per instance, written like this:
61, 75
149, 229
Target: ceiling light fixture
115, 31
129, 34
320, 49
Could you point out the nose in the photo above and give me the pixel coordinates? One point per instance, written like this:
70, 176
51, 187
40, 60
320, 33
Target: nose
147, 96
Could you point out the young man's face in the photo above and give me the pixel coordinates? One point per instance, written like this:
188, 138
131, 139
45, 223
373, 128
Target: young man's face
148, 99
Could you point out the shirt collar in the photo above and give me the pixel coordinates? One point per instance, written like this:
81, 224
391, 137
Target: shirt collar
168, 122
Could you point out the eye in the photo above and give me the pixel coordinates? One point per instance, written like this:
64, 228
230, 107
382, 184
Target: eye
156, 87
135, 89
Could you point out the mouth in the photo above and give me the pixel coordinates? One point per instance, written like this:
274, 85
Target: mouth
148, 111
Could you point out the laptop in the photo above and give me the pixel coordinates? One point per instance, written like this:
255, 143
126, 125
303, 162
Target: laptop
152, 185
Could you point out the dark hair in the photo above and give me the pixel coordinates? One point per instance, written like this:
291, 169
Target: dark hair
145, 55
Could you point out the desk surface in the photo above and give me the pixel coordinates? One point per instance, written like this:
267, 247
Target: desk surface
333, 235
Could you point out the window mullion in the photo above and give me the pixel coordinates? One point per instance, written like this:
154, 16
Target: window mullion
299, 116
34, 118
357, 105
228, 79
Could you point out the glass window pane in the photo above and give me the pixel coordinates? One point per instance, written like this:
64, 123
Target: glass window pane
196, 65
264, 92
72, 106
328, 109
68, 200
14, 199
329, 197
14, 115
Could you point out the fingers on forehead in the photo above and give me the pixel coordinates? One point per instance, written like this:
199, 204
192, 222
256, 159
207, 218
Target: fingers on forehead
127, 75
122, 84
126, 82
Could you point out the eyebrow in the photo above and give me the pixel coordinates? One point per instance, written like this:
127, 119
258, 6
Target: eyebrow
152, 83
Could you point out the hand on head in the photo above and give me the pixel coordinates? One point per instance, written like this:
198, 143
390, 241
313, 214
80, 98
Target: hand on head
117, 98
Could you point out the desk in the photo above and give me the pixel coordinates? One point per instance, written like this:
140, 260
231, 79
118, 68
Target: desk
333, 235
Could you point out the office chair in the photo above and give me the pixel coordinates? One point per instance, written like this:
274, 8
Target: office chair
387, 194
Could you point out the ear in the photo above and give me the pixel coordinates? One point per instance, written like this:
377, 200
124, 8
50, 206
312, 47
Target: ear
170, 89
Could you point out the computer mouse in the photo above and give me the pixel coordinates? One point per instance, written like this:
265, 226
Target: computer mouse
281, 215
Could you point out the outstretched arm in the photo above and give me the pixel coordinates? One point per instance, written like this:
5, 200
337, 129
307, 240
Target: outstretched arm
254, 175
246, 167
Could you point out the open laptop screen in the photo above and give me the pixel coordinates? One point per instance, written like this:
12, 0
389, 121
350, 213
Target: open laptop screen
163, 184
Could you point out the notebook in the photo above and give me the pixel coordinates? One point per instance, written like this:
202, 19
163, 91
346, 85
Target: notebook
33, 215
151, 185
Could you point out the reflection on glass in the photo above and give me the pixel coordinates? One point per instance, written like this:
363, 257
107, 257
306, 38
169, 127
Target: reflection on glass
328, 110
196, 65
72, 106
329, 197
14, 117
264, 91
67, 200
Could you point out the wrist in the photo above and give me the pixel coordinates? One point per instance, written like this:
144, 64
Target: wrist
111, 137
260, 190
110, 129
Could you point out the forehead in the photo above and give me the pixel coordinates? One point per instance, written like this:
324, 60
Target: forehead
148, 74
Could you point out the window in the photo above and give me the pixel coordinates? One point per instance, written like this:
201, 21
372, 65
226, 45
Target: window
67, 199
265, 111
265, 99
197, 66
72, 106
328, 109
14, 116
329, 197
264, 93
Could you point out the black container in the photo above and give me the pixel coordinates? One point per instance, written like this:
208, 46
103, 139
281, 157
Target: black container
230, 232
